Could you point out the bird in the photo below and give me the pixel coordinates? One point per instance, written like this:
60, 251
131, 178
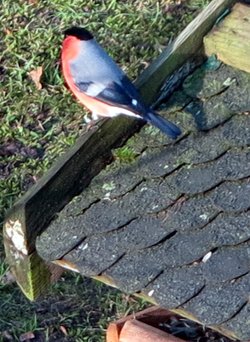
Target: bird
101, 85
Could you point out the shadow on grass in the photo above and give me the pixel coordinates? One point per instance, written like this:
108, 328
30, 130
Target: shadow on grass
77, 309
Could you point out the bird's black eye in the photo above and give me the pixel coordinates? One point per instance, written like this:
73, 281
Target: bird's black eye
78, 32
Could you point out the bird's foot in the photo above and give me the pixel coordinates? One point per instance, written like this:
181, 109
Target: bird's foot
91, 123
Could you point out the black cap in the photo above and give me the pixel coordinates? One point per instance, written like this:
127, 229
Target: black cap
78, 32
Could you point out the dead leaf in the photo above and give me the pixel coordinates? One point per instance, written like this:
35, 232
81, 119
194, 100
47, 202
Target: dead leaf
26, 336
7, 278
63, 330
36, 75
6, 336
7, 31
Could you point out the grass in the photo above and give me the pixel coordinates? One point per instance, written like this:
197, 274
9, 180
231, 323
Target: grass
125, 154
38, 125
82, 307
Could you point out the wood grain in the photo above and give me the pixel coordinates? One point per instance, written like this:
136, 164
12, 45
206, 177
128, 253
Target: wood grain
230, 39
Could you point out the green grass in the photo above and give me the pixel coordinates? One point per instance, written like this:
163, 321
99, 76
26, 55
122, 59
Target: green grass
125, 154
38, 125
82, 306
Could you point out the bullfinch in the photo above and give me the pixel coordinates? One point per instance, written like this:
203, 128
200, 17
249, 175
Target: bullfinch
100, 85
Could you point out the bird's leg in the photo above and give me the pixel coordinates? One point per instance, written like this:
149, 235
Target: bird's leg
92, 122
94, 116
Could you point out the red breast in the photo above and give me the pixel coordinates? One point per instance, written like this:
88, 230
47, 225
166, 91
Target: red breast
70, 50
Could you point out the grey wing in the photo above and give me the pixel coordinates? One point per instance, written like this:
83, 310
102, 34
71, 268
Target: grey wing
97, 75
94, 65
114, 95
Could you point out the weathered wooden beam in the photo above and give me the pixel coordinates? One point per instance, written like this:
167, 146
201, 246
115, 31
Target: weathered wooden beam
30, 215
185, 46
73, 171
230, 39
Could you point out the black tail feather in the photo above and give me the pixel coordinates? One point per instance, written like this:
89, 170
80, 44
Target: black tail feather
164, 125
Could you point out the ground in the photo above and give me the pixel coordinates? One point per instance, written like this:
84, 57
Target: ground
37, 125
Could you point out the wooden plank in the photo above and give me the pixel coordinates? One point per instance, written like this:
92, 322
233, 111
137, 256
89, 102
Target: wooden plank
230, 40
137, 331
185, 46
152, 316
32, 274
73, 171
30, 215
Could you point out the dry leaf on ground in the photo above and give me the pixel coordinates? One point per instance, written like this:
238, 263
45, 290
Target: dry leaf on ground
36, 75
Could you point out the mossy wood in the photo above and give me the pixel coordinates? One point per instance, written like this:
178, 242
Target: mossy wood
186, 45
230, 39
73, 172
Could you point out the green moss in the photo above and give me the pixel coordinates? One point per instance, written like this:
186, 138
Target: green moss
108, 186
125, 154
